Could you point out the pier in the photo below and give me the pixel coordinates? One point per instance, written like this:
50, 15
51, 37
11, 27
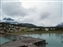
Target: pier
25, 42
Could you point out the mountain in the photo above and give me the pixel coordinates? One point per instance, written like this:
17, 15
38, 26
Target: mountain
60, 25
12, 21
27, 25
8, 19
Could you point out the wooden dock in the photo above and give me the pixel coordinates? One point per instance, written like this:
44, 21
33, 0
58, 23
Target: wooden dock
25, 42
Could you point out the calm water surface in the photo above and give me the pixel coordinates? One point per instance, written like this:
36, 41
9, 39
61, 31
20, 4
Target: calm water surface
5, 39
53, 39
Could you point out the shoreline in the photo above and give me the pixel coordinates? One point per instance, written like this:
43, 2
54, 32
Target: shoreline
30, 32
21, 33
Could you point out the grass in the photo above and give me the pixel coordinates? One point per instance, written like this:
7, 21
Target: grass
33, 32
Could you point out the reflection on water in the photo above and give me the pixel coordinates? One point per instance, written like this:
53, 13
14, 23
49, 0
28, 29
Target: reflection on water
5, 39
10, 37
53, 39
42, 45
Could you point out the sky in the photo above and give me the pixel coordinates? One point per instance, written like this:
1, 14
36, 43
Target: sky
62, 11
31, 0
38, 13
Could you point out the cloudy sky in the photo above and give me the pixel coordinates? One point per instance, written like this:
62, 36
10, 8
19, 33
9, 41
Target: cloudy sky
62, 11
38, 13
31, 0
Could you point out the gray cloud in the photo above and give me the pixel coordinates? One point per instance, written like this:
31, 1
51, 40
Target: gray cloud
13, 9
31, 0
0, 10
10, 0
62, 11
0, 3
0, 14
44, 13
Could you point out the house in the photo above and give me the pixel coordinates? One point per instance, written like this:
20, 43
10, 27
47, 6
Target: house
32, 29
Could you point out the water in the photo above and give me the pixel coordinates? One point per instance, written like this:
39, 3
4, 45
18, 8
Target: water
5, 39
53, 39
